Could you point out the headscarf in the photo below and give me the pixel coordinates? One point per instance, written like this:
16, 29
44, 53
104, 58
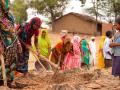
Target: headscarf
102, 42
76, 39
100, 53
76, 45
46, 36
44, 43
26, 30
92, 38
6, 26
84, 42
34, 21
85, 51
63, 34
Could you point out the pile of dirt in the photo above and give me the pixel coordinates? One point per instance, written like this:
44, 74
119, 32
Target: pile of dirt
69, 80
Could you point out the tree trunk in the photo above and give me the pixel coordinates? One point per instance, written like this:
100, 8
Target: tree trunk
114, 9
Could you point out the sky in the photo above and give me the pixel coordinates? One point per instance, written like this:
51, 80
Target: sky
75, 6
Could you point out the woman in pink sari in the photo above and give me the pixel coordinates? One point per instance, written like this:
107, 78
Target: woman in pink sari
72, 59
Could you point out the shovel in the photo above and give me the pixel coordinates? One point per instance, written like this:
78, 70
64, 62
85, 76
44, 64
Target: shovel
43, 62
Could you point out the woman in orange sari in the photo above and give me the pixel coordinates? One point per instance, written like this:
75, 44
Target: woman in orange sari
100, 54
60, 50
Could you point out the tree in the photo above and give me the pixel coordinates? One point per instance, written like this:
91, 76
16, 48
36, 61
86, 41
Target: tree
83, 2
115, 7
19, 10
106, 8
50, 8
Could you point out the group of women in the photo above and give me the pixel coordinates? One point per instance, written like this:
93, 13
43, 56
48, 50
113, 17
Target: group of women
68, 53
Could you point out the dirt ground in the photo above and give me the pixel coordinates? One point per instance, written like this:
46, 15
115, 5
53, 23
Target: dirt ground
69, 80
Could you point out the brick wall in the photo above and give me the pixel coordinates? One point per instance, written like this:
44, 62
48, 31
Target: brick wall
74, 24
106, 27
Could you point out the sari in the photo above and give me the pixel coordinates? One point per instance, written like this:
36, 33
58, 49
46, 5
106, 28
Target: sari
60, 50
10, 43
56, 52
44, 44
85, 52
72, 59
101, 64
26, 32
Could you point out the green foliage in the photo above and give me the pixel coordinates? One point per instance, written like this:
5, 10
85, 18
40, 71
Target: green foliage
19, 10
50, 8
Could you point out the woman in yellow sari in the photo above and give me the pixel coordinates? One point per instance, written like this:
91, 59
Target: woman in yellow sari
100, 53
44, 43
44, 47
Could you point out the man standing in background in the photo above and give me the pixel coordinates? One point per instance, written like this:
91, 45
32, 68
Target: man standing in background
115, 45
107, 50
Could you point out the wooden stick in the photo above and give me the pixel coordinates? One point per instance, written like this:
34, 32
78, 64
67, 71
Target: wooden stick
44, 58
39, 61
58, 64
54, 65
47, 60
50, 55
3, 70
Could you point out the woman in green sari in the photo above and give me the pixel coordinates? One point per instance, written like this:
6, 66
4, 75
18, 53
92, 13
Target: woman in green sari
44, 43
45, 47
85, 51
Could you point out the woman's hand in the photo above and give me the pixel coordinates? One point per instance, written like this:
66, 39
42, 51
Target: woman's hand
20, 48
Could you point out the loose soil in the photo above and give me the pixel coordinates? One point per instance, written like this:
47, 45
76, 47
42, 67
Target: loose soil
68, 80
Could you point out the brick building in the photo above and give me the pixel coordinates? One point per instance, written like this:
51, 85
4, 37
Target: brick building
74, 22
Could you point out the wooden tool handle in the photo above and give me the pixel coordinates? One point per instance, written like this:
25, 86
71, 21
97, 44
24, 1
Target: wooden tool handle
3, 70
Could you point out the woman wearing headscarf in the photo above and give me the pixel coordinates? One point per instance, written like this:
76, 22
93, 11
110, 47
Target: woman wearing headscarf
10, 45
45, 47
44, 43
56, 50
85, 51
25, 34
100, 53
60, 50
72, 59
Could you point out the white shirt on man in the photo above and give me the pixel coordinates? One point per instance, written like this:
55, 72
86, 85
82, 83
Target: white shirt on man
106, 49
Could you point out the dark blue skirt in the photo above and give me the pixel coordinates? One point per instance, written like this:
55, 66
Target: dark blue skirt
116, 66
22, 64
